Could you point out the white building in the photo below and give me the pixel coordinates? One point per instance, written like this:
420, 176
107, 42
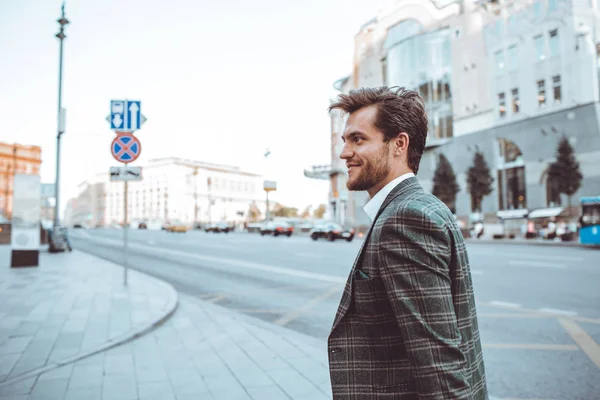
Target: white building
172, 189
507, 78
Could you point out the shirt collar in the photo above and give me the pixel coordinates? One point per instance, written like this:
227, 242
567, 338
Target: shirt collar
373, 206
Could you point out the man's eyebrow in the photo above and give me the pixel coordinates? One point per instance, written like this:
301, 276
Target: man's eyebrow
352, 134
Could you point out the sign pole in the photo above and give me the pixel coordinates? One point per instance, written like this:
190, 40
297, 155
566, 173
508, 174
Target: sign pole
267, 210
125, 118
125, 233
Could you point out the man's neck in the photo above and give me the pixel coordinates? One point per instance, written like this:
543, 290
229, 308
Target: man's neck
375, 189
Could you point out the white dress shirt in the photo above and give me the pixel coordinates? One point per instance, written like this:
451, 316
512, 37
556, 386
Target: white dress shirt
373, 206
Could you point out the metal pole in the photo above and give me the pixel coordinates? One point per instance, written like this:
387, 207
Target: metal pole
61, 36
208, 183
267, 212
125, 234
504, 184
195, 196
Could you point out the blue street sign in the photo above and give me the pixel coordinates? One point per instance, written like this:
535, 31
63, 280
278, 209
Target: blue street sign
134, 115
117, 114
126, 115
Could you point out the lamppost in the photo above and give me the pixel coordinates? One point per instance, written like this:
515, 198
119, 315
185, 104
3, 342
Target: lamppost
195, 196
61, 128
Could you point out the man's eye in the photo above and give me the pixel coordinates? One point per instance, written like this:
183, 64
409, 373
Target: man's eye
357, 140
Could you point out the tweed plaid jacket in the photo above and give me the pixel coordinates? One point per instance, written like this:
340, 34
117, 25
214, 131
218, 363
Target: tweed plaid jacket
406, 326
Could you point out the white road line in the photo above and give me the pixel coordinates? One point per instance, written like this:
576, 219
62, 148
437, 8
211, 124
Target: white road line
310, 255
504, 304
556, 311
151, 242
554, 258
476, 272
533, 264
233, 262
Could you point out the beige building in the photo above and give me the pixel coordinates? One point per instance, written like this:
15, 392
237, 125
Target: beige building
15, 158
172, 189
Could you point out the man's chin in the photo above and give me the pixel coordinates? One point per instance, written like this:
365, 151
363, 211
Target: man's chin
357, 186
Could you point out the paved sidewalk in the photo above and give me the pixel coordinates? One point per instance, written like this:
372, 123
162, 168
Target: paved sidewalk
73, 304
203, 352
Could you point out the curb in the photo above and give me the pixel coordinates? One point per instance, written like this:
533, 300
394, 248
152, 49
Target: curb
533, 243
142, 329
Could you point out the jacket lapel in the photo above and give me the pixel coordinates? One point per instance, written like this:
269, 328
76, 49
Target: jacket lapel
405, 187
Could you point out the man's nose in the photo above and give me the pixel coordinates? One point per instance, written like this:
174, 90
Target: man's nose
346, 153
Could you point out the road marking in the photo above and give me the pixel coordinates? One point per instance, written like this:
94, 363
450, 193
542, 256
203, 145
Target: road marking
216, 299
581, 337
233, 262
553, 258
151, 242
523, 263
533, 313
504, 304
514, 315
515, 398
476, 272
311, 255
259, 311
557, 311
531, 346
287, 318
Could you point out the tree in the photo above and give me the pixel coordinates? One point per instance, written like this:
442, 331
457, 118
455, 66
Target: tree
319, 211
306, 212
254, 213
479, 181
283, 211
445, 186
564, 173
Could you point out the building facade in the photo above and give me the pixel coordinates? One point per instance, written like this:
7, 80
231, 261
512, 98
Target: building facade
15, 159
172, 189
505, 78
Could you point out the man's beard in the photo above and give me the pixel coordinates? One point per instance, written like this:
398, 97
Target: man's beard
371, 172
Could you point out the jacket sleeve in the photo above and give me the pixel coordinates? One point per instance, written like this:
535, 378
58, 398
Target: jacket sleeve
415, 253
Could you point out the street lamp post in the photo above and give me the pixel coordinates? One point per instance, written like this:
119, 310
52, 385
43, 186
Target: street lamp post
61, 36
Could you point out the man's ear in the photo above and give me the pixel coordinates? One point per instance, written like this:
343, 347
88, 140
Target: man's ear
401, 143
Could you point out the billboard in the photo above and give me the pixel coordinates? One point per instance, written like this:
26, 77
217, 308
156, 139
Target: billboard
25, 233
269, 186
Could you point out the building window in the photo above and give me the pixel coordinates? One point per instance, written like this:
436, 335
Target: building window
515, 101
499, 62
551, 5
554, 44
556, 89
540, 51
513, 58
541, 89
502, 104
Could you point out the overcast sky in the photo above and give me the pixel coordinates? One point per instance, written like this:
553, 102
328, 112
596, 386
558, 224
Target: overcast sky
219, 81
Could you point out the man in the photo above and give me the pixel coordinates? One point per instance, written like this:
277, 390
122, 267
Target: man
406, 326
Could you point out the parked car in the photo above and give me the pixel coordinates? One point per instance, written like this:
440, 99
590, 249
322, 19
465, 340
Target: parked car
276, 229
178, 227
331, 232
218, 227
142, 225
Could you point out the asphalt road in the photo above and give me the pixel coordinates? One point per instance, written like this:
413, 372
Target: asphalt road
539, 307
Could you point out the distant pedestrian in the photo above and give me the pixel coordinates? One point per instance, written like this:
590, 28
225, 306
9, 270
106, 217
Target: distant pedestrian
406, 326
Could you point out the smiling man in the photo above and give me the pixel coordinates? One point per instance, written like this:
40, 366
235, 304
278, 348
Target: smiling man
406, 326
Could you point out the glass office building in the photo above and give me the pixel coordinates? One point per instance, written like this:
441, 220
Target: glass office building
422, 61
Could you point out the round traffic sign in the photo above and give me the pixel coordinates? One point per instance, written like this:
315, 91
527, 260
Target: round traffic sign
125, 148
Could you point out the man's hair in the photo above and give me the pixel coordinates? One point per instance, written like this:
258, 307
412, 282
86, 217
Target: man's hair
398, 110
